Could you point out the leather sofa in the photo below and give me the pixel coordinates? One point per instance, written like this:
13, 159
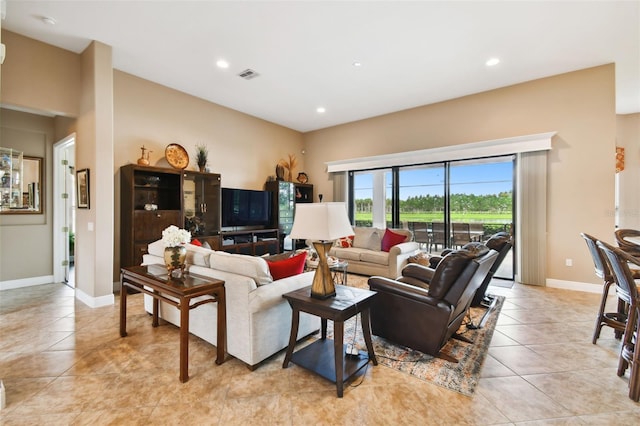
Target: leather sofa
425, 307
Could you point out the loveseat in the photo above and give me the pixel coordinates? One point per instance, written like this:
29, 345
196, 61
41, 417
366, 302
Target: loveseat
258, 318
375, 251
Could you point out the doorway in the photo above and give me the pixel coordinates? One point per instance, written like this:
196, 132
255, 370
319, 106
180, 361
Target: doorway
64, 220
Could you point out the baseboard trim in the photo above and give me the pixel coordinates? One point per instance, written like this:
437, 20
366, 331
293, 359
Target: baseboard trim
574, 285
26, 282
95, 302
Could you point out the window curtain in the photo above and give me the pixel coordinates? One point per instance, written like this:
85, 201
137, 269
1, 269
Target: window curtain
340, 187
531, 223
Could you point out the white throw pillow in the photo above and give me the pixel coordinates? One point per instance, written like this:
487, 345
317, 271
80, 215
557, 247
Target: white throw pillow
367, 238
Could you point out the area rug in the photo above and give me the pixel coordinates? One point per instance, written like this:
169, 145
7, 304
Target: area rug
460, 377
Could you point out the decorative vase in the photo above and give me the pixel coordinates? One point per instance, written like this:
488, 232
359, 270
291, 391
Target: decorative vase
174, 258
202, 167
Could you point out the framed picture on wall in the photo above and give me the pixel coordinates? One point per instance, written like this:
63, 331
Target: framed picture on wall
82, 188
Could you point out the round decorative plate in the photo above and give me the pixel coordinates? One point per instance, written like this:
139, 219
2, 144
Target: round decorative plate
302, 177
176, 156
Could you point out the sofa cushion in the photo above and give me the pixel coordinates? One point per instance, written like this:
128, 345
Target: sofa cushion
351, 253
241, 264
390, 239
195, 255
294, 265
377, 257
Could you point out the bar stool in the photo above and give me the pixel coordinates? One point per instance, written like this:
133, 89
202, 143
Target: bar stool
619, 261
615, 320
627, 246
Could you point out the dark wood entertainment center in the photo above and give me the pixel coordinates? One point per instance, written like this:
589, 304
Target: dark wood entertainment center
152, 198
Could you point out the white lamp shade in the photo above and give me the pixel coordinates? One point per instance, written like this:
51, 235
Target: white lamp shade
321, 221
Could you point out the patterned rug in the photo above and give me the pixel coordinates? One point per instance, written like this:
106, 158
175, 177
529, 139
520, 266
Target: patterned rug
461, 377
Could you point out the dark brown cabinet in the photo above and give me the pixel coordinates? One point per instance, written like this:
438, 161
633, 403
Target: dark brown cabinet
285, 196
150, 200
202, 206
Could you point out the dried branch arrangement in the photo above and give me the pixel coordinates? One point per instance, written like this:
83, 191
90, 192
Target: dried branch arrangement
289, 167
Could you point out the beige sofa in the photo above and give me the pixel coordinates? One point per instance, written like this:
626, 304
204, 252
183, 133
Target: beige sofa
258, 318
366, 256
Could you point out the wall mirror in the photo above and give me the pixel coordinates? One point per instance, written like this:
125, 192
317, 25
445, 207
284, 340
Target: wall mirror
22, 191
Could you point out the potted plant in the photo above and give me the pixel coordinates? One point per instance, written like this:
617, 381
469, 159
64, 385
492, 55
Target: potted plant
202, 152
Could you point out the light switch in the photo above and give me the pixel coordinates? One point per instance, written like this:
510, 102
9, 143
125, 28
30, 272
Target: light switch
90, 226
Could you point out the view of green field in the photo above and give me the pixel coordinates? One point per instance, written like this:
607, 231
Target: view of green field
492, 210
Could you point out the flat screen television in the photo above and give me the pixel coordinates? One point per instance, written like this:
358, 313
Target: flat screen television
245, 207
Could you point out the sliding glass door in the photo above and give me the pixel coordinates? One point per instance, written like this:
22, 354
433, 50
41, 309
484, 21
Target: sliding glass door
369, 197
446, 205
481, 202
422, 203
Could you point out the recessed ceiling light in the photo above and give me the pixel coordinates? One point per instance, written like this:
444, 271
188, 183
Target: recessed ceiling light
222, 64
492, 62
320, 110
48, 20
357, 64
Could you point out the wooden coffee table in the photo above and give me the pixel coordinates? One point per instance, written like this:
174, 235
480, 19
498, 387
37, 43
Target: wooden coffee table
327, 357
189, 286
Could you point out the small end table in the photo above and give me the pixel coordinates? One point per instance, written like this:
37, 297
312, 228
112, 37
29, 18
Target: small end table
324, 356
183, 289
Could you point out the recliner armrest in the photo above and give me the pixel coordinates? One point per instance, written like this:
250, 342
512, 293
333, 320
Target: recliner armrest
382, 284
417, 271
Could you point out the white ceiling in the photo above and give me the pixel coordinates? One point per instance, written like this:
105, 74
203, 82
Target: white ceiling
412, 53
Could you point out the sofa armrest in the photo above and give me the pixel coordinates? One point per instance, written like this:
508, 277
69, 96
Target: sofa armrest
399, 255
402, 248
420, 272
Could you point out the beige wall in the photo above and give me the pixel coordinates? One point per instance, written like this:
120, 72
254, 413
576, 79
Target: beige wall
580, 106
38, 76
628, 136
94, 151
243, 149
26, 246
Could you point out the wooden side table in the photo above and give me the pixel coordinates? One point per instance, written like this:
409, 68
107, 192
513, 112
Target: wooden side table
183, 289
327, 357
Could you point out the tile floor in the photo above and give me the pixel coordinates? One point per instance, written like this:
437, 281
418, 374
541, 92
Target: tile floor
64, 363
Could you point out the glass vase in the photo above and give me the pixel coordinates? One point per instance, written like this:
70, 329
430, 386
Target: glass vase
174, 258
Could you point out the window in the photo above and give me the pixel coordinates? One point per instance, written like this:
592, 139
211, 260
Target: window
445, 204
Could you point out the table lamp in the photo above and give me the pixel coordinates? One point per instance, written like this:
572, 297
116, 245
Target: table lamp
322, 223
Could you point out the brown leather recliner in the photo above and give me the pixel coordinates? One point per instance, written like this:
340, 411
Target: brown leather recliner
500, 242
425, 307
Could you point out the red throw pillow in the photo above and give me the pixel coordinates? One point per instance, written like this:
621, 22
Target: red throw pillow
287, 267
390, 239
196, 242
345, 242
